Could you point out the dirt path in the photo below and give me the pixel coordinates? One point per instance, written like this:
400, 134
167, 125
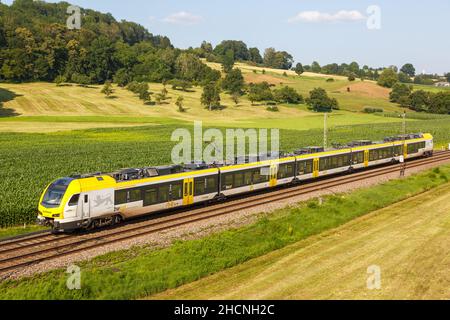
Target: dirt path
409, 241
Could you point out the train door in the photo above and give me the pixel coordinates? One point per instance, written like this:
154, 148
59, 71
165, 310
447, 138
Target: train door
405, 151
316, 168
188, 191
86, 207
273, 175
366, 158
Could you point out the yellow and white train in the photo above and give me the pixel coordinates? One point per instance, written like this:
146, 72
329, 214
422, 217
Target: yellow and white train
89, 201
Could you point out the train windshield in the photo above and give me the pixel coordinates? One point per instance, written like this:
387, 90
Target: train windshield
55, 193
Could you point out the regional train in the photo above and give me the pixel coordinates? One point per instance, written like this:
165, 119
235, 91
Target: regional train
95, 200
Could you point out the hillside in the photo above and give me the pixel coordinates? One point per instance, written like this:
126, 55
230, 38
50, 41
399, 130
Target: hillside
31, 107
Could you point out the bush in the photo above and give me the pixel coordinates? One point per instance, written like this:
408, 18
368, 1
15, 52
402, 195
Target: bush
320, 102
59, 80
372, 110
272, 108
182, 85
259, 92
399, 92
287, 95
388, 78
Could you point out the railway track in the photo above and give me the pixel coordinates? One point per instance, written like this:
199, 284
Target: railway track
35, 248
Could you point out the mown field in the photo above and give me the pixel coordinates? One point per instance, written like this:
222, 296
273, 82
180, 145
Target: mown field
140, 272
407, 240
30, 161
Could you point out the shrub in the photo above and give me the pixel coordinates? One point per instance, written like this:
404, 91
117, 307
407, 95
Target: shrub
372, 110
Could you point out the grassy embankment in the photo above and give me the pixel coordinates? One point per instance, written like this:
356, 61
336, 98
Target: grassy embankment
141, 272
407, 240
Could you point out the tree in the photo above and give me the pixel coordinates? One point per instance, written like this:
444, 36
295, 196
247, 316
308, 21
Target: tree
320, 102
236, 97
277, 59
179, 104
255, 55
399, 90
122, 77
315, 67
351, 76
107, 89
447, 76
239, 49
287, 95
388, 78
404, 78
409, 70
206, 47
182, 85
299, 69
81, 79
259, 92
419, 101
234, 81
440, 103
228, 61
191, 68
211, 96
59, 80
354, 68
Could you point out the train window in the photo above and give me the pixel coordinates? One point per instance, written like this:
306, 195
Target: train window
238, 179
120, 197
177, 191
398, 151
415, 147
285, 170
324, 164
248, 178
135, 195
309, 166
163, 193
211, 184
150, 197
74, 200
200, 186
227, 181
358, 157
256, 176
334, 162
373, 155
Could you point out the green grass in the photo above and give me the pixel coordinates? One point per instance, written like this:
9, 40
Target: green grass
31, 161
141, 272
16, 231
430, 88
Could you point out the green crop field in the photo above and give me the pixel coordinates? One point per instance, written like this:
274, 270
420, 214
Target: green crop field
30, 161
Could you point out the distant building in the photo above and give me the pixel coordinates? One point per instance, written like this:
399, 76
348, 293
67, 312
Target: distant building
442, 84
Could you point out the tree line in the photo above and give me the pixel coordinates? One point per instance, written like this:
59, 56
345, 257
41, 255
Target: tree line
420, 100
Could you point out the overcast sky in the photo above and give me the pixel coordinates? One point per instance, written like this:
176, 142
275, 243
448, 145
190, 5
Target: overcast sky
323, 30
